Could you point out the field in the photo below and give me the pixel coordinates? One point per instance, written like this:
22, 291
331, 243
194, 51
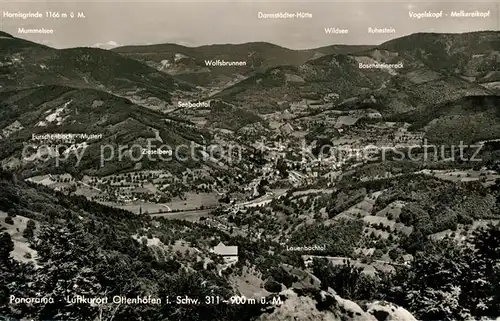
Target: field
462, 231
22, 252
487, 177
194, 201
368, 268
179, 205
192, 216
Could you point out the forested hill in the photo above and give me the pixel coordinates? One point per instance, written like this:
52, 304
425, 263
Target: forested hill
87, 249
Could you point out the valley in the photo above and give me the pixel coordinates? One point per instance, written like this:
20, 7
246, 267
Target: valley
203, 169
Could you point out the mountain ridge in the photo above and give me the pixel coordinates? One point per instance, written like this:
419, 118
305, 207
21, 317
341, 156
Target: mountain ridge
420, 79
28, 64
258, 57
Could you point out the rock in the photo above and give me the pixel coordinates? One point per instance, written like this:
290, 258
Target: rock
318, 305
349, 310
386, 311
315, 305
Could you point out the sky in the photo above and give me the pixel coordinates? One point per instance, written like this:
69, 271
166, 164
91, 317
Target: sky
194, 23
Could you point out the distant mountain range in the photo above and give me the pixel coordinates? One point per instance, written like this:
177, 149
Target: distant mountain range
188, 63
435, 68
468, 119
254, 184
61, 109
27, 64
37, 80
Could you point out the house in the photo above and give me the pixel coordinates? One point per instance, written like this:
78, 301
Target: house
407, 258
286, 115
228, 253
374, 114
286, 129
308, 260
141, 190
346, 121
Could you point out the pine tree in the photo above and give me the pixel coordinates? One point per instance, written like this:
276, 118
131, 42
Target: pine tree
6, 246
432, 287
483, 281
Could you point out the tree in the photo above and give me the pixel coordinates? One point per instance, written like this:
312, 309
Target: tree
431, 287
272, 286
6, 246
28, 233
414, 242
395, 253
12, 212
282, 167
377, 254
29, 230
348, 280
483, 281
31, 224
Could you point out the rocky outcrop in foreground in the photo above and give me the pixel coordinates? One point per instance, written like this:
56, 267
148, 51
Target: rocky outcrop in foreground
318, 305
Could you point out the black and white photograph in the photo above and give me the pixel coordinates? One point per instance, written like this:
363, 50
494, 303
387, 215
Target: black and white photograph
218, 160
